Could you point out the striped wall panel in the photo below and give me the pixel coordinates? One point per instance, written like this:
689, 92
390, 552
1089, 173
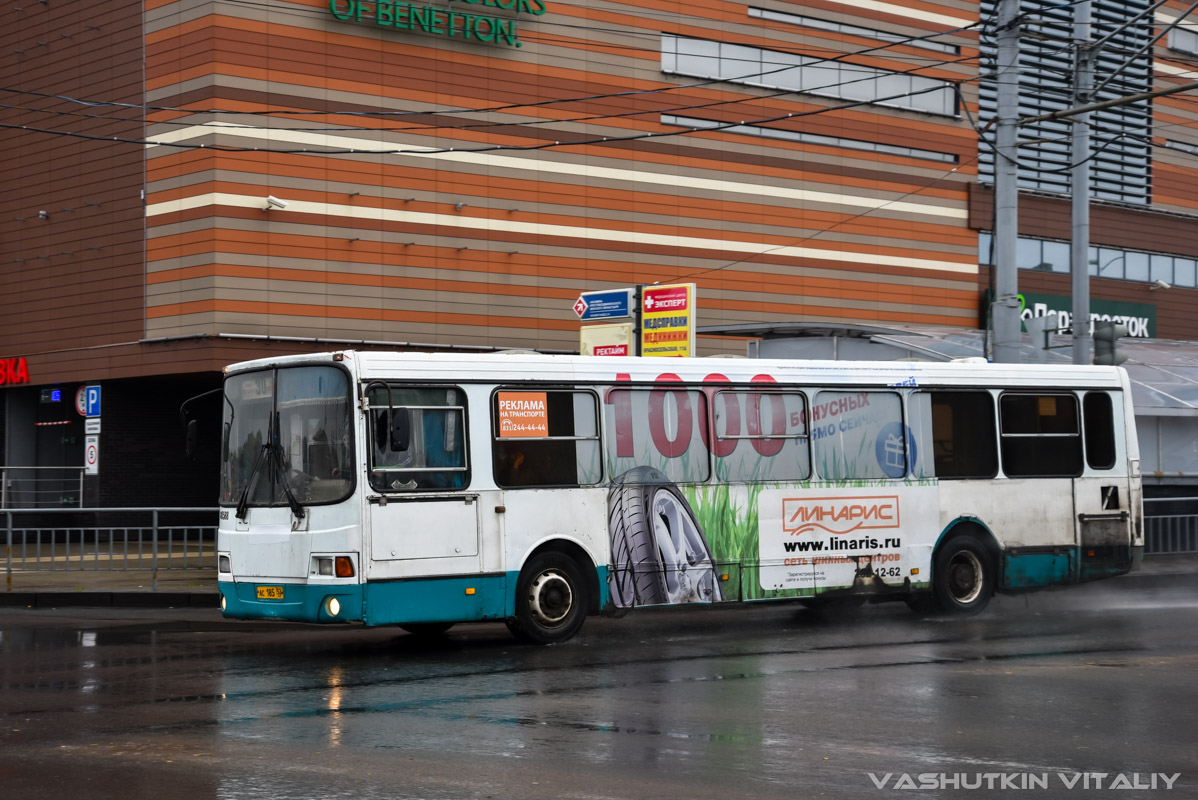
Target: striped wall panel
482, 227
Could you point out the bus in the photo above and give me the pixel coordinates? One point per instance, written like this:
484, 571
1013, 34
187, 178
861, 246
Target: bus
423, 490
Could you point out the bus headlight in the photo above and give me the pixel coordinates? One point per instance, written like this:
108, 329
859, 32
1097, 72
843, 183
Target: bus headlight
223, 602
332, 606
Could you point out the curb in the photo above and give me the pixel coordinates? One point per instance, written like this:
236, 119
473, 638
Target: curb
130, 599
143, 599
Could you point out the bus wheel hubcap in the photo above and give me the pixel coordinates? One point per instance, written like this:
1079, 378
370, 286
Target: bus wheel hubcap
550, 598
965, 577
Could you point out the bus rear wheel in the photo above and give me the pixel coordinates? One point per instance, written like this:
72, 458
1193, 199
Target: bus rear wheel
551, 600
963, 579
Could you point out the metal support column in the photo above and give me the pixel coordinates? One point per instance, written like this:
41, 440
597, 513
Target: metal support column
1079, 262
1005, 310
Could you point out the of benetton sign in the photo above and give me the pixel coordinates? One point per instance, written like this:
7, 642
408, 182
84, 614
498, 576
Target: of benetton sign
455, 23
13, 370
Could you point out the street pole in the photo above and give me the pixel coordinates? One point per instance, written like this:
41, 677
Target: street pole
1079, 261
1004, 312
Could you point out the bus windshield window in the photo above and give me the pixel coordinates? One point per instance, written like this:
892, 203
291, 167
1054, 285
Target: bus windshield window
436, 454
859, 435
310, 406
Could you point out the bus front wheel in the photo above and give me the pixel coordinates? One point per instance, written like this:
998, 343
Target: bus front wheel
551, 600
963, 579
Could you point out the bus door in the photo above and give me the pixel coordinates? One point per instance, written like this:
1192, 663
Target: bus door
422, 521
1034, 509
1102, 497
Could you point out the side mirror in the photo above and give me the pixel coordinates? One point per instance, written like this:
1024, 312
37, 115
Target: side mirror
191, 437
401, 429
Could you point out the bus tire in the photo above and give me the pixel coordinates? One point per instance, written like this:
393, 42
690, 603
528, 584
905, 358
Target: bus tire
963, 576
426, 629
551, 600
659, 552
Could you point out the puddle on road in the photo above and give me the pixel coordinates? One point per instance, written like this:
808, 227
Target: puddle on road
20, 640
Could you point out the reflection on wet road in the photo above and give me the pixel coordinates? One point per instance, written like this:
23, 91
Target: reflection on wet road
746, 702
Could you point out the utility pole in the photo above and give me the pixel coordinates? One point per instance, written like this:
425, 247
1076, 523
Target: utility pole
1004, 313
1079, 185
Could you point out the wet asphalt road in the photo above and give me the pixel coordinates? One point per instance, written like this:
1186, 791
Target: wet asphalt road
765, 702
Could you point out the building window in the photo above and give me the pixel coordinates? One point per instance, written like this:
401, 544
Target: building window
1121, 168
852, 30
809, 138
772, 69
1183, 39
1044, 255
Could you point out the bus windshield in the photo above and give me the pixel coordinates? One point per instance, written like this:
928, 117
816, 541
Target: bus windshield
306, 411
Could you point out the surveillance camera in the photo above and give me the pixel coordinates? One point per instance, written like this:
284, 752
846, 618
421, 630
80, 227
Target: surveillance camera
274, 202
1159, 284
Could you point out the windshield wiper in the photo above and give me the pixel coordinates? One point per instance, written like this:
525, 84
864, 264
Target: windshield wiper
243, 503
272, 451
277, 452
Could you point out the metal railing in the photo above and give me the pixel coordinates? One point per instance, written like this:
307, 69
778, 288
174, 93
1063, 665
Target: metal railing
1169, 529
41, 487
108, 540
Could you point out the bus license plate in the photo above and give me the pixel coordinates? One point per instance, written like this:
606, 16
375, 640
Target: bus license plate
270, 592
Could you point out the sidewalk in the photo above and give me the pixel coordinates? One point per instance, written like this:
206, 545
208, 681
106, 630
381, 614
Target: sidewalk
197, 587
98, 589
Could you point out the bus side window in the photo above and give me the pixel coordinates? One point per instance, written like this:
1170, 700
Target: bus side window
545, 438
760, 435
1099, 421
1040, 435
664, 427
436, 454
859, 435
963, 438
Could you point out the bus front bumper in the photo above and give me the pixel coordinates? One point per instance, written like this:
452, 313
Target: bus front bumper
299, 602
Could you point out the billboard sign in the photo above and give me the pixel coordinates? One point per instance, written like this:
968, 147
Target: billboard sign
668, 320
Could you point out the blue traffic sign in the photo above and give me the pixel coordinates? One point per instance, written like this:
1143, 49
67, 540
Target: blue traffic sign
604, 305
91, 401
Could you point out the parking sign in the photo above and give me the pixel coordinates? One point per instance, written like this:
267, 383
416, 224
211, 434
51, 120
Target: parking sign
87, 401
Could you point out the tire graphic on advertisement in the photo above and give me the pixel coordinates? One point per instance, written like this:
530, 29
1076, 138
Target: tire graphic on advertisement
659, 552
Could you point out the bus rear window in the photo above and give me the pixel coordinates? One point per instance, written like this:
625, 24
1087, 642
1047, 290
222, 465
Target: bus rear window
1100, 430
545, 438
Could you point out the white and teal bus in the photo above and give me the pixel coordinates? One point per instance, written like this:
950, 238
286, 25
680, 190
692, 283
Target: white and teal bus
421, 490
